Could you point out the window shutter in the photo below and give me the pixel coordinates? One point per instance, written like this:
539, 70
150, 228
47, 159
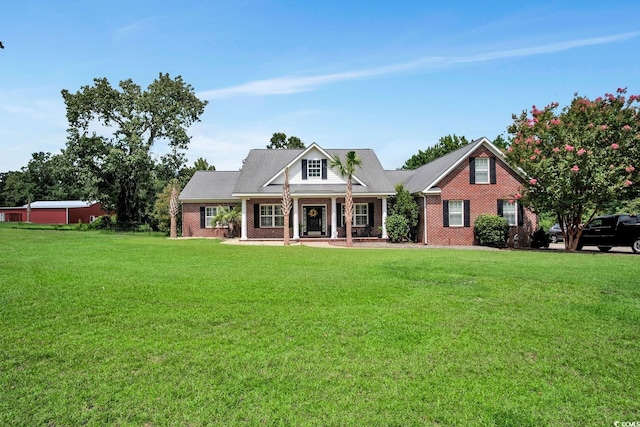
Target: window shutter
472, 170
202, 217
492, 170
256, 216
445, 213
371, 217
339, 214
324, 168
304, 168
500, 204
520, 214
467, 213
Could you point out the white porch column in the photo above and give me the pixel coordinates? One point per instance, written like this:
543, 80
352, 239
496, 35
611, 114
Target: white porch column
334, 218
296, 220
244, 220
384, 217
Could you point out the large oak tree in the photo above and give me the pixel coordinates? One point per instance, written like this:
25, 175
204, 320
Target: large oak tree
112, 132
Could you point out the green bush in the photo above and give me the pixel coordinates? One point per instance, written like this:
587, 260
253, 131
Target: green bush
539, 239
491, 230
397, 227
104, 222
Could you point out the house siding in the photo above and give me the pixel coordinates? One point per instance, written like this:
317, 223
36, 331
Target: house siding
482, 200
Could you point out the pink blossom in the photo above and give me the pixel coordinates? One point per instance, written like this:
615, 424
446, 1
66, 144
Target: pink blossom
532, 157
590, 125
556, 150
629, 169
575, 168
569, 147
533, 181
604, 127
626, 127
628, 183
555, 121
537, 151
581, 151
518, 196
509, 149
615, 146
621, 90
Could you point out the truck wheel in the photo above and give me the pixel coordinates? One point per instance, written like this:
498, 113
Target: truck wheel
554, 238
635, 247
604, 248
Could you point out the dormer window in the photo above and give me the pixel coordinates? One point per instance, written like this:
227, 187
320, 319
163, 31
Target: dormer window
314, 168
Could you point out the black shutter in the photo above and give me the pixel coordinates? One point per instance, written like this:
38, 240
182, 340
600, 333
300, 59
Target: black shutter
324, 168
492, 170
339, 214
472, 170
467, 213
371, 217
500, 205
304, 168
520, 214
202, 217
445, 213
256, 216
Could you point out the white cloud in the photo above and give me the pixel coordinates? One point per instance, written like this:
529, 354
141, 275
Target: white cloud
289, 85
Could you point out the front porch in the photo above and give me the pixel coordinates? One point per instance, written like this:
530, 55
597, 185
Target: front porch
312, 218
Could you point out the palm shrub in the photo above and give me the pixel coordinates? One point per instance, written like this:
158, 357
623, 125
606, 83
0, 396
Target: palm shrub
491, 230
397, 227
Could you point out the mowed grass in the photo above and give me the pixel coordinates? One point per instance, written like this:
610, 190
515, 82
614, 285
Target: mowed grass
126, 329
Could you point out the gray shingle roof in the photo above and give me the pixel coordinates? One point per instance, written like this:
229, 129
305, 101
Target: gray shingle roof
210, 185
428, 175
263, 164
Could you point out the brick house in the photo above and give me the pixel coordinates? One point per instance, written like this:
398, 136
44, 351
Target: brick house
451, 191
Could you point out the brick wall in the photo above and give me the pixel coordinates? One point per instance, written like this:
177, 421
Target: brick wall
191, 221
483, 200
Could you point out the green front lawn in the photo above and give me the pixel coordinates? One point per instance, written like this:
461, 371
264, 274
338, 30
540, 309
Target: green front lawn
130, 329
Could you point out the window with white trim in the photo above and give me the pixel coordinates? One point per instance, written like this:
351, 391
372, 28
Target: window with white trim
510, 211
209, 213
482, 170
360, 214
456, 213
314, 168
271, 216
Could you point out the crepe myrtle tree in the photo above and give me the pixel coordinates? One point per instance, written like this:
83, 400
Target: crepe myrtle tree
577, 160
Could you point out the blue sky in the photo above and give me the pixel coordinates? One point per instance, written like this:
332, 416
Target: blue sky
392, 76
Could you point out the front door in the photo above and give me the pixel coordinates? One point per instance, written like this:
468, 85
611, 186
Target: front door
314, 220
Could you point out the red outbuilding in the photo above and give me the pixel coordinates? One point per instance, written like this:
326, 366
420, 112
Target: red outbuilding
53, 212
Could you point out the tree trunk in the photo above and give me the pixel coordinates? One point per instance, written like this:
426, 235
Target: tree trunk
286, 206
348, 213
174, 232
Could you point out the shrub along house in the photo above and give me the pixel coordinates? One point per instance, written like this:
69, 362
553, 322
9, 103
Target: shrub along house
451, 191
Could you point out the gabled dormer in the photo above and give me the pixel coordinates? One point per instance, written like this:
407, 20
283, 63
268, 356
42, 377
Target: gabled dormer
310, 167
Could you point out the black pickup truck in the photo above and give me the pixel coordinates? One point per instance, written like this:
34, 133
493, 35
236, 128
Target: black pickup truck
612, 230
